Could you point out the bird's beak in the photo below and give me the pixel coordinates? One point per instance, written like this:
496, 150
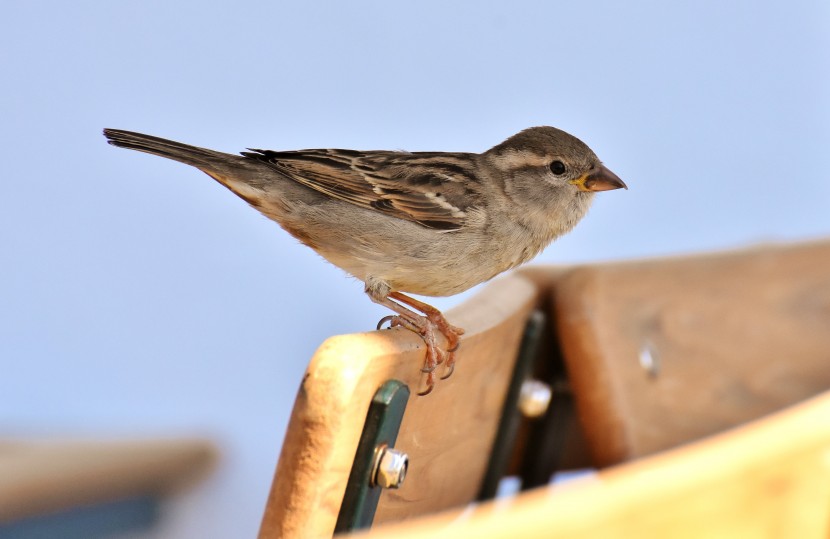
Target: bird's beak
599, 179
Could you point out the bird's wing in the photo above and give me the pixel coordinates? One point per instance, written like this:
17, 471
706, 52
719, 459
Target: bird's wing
436, 190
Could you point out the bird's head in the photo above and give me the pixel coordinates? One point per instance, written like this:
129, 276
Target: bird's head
550, 173
554, 157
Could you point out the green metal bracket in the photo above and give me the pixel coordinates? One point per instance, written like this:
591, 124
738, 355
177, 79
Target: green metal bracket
383, 421
511, 417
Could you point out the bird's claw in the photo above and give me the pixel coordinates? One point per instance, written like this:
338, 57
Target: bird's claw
451, 367
385, 319
427, 391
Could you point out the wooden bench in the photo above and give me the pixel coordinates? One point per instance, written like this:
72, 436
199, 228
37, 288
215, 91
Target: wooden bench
641, 357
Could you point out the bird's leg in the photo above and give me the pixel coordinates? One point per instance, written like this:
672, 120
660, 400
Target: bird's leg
418, 324
437, 318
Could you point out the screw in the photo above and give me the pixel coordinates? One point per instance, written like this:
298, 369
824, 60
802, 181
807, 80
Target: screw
534, 398
390, 467
649, 360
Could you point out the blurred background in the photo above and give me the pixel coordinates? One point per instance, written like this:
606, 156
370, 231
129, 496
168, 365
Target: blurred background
139, 297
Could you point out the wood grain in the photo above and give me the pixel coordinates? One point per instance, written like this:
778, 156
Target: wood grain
735, 335
769, 479
447, 434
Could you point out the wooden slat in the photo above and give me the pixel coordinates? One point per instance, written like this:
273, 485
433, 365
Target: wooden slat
768, 479
447, 434
39, 477
735, 335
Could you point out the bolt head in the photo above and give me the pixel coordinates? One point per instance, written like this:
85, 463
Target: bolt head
649, 360
390, 468
534, 398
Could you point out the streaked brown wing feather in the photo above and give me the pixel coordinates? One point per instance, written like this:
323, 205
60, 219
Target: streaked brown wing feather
435, 190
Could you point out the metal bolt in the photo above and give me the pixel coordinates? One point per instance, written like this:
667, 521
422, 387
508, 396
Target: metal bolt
390, 467
649, 360
534, 398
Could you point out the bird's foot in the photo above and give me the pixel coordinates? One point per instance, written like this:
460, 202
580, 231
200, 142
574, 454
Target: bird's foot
424, 327
452, 334
438, 320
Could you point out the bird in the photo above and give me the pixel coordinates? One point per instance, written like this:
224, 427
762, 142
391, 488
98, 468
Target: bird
423, 223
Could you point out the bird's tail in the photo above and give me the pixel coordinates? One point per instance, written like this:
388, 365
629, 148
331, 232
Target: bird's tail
242, 175
202, 158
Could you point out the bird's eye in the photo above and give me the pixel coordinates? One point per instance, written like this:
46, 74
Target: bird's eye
557, 167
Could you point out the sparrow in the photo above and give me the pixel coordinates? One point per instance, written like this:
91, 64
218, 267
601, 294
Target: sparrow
426, 223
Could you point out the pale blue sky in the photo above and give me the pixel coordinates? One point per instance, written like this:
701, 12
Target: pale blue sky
139, 296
